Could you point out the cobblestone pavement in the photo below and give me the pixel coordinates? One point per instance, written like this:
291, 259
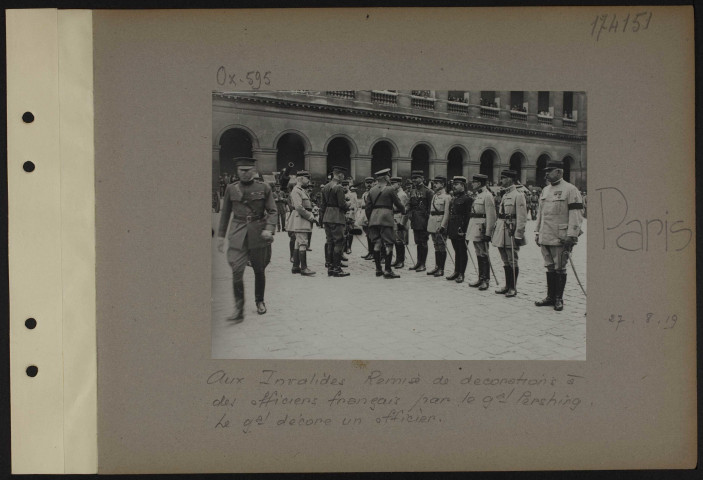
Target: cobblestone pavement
415, 317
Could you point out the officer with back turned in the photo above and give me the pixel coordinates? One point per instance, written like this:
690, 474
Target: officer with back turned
379, 209
254, 217
335, 206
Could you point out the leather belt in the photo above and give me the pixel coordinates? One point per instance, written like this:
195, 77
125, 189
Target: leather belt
247, 218
437, 213
506, 216
478, 215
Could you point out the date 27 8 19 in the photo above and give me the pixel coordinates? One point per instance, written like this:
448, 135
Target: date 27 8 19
613, 24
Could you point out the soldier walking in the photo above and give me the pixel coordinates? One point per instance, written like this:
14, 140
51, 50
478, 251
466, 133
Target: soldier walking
300, 223
459, 215
437, 224
483, 218
557, 230
253, 223
334, 206
400, 219
509, 232
418, 214
379, 210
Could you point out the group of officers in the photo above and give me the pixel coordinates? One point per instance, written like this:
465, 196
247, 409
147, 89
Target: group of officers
387, 213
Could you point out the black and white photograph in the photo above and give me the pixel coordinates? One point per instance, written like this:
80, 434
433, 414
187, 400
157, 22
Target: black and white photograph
399, 225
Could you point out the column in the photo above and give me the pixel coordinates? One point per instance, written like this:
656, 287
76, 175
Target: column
316, 164
404, 98
215, 166
361, 167
504, 113
529, 174
363, 96
531, 106
438, 166
497, 167
556, 100
581, 121
474, 103
440, 104
472, 168
401, 167
265, 160
465, 170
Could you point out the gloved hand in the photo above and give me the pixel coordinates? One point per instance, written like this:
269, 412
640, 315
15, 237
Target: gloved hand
267, 236
486, 238
442, 230
570, 241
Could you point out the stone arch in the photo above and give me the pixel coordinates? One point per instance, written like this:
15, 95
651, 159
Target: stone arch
518, 162
421, 156
430, 148
339, 150
352, 143
568, 162
382, 153
252, 135
291, 147
457, 159
233, 142
542, 160
394, 147
306, 140
488, 160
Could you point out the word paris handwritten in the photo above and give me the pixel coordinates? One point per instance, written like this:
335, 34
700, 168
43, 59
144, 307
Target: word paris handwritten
253, 78
650, 319
635, 22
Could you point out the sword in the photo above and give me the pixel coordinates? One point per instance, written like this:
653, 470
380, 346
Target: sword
468, 252
567, 253
362, 243
490, 264
446, 249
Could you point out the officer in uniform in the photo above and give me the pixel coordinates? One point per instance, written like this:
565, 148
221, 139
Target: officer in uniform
437, 224
281, 199
509, 232
557, 230
418, 214
300, 223
334, 206
401, 232
483, 218
368, 183
254, 217
379, 210
350, 199
459, 215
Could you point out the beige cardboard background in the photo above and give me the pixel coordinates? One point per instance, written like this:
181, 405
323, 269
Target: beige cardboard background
154, 71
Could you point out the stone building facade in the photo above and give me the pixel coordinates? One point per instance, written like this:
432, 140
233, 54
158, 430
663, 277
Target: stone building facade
440, 132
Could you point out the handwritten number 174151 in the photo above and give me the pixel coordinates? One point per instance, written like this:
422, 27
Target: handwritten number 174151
614, 24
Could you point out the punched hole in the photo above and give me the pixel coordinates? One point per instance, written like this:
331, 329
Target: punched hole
30, 323
28, 167
27, 117
32, 371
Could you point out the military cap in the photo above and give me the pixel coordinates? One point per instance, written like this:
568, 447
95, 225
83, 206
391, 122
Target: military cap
417, 173
479, 177
440, 178
245, 162
382, 173
339, 169
509, 173
459, 179
552, 164
368, 180
303, 173
396, 179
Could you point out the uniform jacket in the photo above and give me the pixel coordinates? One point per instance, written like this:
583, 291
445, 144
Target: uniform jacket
301, 216
485, 208
379, 206
459, 214
439, 204
560, 213
281, 199
419, 199
513, 209
334, 204
252, 209
399, 215
352, 201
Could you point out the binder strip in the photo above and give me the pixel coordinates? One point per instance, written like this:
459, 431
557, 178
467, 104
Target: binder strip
51, 241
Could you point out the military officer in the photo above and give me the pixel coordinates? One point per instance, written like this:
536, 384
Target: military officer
350, 199
459, 215
300, 223
437, 224
281, 199
509, 232
483, 218
368, 183
400, 219
334, 221
379, 210
419, 199
557, 230
253, 223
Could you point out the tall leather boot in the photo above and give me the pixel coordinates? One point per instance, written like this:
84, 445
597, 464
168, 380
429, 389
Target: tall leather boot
436, 263
296, 261
389, 272
304, 270
259, 288
513, 282
560, 283
328, 256
418, 256
238, 315
399, 255
291, 246
422, 254
548, 301
479, 261
377, 261
508, 276
442, 262
369, 254
485, 275
337, 265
